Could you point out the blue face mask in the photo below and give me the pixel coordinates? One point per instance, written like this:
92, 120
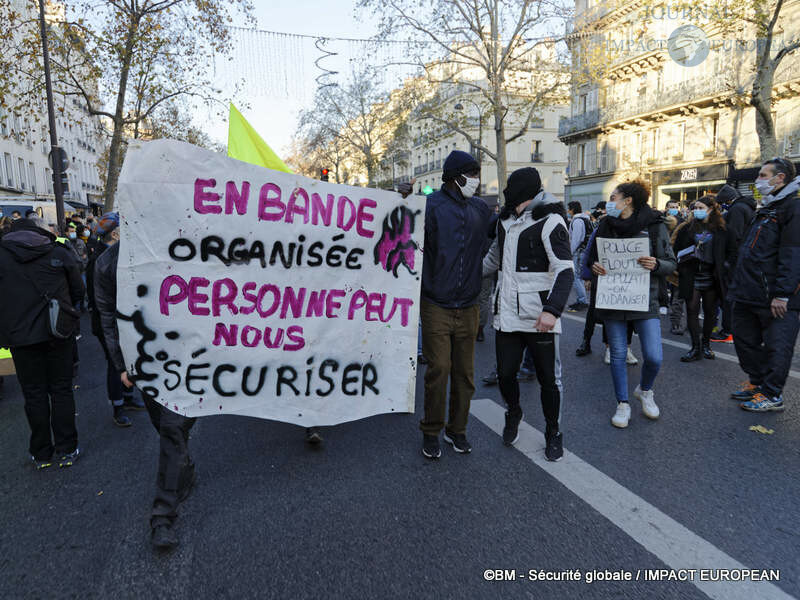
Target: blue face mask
612, 210
700, 214
672, 211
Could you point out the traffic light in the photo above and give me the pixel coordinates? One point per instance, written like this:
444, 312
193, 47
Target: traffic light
64, 182
323, 174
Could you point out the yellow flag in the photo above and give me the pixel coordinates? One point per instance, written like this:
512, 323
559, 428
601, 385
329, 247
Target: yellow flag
246, 145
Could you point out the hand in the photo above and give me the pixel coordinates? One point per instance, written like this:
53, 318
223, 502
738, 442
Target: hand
587, 285
648, 262
545, 322
598, 269
778, 308
406, 189
125, 381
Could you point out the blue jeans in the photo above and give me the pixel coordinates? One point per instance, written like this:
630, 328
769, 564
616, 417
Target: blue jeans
649, 331
577, 284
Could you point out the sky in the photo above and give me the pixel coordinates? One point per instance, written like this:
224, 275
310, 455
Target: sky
273, 109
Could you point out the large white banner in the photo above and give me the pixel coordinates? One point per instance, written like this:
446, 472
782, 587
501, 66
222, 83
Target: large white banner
243, 290
626, 285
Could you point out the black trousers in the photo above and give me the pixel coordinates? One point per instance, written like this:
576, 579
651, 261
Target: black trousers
765, 345
44, 372
175, 466
543, 348
114, 387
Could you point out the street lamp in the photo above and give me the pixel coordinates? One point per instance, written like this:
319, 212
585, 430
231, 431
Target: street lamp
460, 106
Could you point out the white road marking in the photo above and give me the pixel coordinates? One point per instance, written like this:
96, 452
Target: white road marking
674, 544
723, 355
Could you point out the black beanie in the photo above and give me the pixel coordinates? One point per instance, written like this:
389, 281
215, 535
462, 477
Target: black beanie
457, 163
523, 184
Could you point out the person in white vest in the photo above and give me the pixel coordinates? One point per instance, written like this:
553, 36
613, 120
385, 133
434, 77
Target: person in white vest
532, 253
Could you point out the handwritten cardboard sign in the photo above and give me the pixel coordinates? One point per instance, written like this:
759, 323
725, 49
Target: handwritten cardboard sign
626, 286
243, 290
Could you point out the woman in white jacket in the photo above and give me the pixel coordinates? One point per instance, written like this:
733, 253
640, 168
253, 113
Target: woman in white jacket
532, 253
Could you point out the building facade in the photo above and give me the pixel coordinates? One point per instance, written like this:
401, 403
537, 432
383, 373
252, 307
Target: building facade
670, 108
25, 144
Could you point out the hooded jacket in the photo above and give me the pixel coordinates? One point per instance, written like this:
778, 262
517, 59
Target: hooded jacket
740, 213
768, 265
722, 249
532, 253
33, 265
456, 230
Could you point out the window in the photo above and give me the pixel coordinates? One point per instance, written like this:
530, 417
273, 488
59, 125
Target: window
27, 133
32, 177
21, 164
582, 104
48, 181
536, 155
581, 159
656, 141
9, 170
3, 123
680, 138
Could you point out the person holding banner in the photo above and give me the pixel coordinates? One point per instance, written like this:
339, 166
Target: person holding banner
704, 251
644, 253
532, 252
456, 228
176, 474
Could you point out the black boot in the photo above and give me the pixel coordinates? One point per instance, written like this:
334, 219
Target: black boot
707, 351
693, 354
584, 349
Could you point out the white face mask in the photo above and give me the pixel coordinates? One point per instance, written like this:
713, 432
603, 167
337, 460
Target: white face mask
763, 186
469, 188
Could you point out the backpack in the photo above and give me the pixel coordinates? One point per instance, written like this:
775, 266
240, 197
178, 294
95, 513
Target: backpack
589, 227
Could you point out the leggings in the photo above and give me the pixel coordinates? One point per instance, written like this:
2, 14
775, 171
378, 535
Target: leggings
710, 301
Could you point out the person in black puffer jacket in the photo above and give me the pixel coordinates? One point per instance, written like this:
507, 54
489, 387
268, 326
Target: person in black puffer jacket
34, 268
737, 220
629, 216
705, 251
765, 289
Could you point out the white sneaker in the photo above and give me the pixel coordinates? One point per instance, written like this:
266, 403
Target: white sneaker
622, 416
649, 407
607, 358
631, 359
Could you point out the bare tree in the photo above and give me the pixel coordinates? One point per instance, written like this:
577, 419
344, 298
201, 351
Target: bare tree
104, 49
354, 123
505, 51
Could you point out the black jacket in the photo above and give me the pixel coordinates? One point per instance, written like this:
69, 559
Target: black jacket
456, 233
739, 216
32, 264
660, 248
105, 299
724, 253
768, 264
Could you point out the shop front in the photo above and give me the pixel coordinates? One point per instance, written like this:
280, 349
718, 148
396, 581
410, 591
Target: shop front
589, 193
687, 184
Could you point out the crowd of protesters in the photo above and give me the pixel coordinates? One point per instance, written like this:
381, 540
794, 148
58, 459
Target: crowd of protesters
725, 257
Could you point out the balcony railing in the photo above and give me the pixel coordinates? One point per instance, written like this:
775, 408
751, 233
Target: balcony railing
681, 93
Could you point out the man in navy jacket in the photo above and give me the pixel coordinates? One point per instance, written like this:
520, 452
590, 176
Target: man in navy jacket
764, 289
456, 227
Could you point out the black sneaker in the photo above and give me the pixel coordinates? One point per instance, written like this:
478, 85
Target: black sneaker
41, 464
67, 460
120, 420
459, 442
584, 349
490, 379
313, 436
577, 307
555, 447
163, 537
511, 430
430, 446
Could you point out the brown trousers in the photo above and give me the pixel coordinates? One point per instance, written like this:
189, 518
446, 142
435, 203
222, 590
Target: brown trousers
448, 342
